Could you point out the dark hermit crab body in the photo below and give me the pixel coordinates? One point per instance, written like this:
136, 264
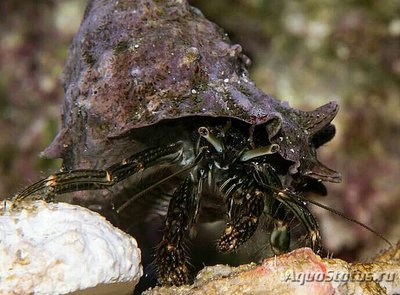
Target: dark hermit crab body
154, 89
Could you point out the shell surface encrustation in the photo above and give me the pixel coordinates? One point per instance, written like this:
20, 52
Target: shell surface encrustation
136, 63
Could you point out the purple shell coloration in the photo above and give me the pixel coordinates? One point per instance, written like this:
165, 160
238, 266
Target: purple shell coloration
135, 63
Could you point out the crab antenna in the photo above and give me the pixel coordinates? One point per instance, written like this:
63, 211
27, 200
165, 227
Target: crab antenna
215, 142
258, 152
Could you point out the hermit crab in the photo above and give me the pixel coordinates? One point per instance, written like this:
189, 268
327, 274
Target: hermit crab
159, 105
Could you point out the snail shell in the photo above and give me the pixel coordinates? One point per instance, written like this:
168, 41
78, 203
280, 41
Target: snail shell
137, 63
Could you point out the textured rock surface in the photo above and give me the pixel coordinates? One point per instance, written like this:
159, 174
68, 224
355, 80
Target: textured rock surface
60, 248
298, 272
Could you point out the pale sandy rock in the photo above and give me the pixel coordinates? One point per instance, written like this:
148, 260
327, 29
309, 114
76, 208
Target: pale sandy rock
57, 248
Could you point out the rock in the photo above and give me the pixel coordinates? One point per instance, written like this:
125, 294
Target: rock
58, 248
298, 272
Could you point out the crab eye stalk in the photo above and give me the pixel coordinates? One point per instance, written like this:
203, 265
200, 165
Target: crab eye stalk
258, 152
214, 141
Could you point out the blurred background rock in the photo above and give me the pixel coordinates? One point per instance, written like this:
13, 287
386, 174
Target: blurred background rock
305, 52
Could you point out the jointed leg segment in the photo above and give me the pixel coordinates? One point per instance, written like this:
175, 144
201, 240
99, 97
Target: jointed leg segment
267, 178
172, 259
304, 215
244, 221
90, 179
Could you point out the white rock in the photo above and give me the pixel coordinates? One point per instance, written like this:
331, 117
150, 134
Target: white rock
58, 248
